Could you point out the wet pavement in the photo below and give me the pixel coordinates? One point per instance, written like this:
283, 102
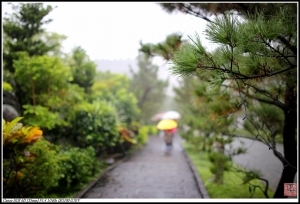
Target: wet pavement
259, 157
150, 173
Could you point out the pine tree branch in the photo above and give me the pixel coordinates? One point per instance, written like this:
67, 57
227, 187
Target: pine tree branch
242, 76
273, 101
268, 44
190, 11
287, 44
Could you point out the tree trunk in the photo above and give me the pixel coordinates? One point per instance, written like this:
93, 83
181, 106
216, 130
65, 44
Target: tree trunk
33, 92
289, 142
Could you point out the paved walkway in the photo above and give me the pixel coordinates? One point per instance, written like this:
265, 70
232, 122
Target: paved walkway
259, 157
149, 173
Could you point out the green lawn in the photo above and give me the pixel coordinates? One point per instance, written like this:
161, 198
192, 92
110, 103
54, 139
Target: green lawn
232, 187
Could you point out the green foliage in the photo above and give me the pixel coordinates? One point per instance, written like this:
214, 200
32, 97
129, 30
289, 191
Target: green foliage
43, 173
142, 136
43, 78
35, 168
220, 164
267, 119
7, 87
255, 63
53, 40
42, 117
29, 162
21, 28
83, 69
115, 88
152, 130
148, 89
96, 125
232, 187
77, 167
164, 49
17, 137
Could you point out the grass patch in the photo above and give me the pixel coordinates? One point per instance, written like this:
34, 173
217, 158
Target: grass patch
233, 186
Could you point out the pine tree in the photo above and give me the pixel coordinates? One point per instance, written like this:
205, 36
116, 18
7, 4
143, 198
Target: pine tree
257, 54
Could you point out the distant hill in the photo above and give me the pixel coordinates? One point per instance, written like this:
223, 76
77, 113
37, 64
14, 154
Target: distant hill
122, 67
117, 66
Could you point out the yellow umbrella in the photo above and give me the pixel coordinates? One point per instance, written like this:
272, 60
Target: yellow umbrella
166, 124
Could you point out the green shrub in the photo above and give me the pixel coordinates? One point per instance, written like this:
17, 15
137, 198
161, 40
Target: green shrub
142, 136
30, 163
7, 87
38, 171
44, 172
77, 167
95, 125
42, 117
153, 130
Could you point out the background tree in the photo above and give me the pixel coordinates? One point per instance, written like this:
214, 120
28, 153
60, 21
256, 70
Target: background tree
164, 49
115, 89
82, 68
148, 89
20, 34
21, 29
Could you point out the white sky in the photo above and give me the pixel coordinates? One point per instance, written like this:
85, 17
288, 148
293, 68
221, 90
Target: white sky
112, 30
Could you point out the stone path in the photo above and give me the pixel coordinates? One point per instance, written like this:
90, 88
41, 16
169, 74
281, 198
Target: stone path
259, 157
149, 173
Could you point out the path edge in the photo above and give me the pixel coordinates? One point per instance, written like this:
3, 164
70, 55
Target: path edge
109, 168
200, 184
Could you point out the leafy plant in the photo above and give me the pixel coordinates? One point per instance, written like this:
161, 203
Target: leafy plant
7, 87
30, 164
96, 125
142, 136
77, 166
42, 117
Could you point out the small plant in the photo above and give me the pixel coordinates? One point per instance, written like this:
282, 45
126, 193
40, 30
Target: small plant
29, 162
77, 167
142, 137
7, 87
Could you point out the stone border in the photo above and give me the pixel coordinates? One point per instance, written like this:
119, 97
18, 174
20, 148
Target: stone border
199, 181
109, 168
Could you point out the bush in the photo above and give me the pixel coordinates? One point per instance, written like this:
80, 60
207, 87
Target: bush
30, 163
35, 168
95, 125
42, 117
77, 166
43, 171
7, 87
142, 136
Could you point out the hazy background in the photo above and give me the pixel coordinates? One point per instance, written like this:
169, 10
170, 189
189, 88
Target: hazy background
110, 32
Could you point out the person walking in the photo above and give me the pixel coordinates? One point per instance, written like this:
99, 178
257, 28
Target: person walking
169, 134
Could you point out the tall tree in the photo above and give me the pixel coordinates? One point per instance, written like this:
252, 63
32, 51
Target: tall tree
258, 55
21, 33
83, 69
21, 29
148, 88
